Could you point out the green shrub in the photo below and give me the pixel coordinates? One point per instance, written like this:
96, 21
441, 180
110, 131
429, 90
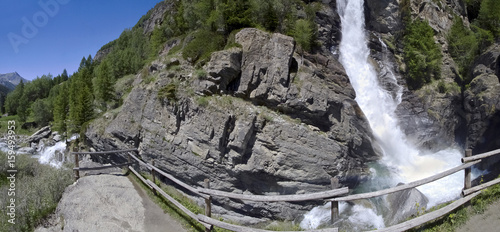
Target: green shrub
231, 40
39, 188
203, 44
442, 87
489, 16
304, 33
465, 46
421, 53
169, 92
200, 73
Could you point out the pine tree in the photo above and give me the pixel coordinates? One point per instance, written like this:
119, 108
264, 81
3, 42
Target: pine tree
104, 81
12, 100
23, 108
84, 108
64, 75
42, 112
61, 110
72, 103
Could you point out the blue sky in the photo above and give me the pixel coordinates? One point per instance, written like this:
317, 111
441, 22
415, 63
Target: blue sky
37, 39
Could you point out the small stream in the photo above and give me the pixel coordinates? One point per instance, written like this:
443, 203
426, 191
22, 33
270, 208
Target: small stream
46, 154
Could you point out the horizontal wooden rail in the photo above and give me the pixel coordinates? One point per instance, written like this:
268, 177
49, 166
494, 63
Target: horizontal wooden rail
103, 152
139, 176
236, 228
276, 198
406, 186
139, 161
176, 203
430, 216
480, 156
466, 192
102, 167
175, 180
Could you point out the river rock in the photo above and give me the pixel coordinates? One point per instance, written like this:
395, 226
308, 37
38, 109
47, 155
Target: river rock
26, 150
404, 204
40, 134
57, 138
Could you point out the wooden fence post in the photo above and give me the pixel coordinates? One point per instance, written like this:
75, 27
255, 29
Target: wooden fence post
467, 180
77, 165
153, 175
208, 203
129, 160
335, 204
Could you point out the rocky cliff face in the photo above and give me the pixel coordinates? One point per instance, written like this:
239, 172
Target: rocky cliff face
482, 104
258, 119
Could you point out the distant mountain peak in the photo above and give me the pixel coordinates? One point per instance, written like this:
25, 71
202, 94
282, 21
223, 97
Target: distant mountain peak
11, 80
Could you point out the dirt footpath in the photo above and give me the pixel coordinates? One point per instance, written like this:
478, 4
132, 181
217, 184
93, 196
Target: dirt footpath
489, 221
109, 203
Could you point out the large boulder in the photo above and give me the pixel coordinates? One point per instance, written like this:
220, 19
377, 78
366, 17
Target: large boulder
40, 134
404, 204
223, 68
266, 62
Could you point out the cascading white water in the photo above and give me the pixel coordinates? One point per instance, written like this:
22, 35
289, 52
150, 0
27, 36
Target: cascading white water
47, 155
404, 162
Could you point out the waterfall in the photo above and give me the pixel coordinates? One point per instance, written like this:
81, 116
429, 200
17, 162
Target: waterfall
401, 161
48, 155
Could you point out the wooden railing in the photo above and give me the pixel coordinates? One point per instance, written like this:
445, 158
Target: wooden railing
335, 195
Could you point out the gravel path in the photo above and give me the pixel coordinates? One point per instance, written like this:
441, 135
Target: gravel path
489, 221
109, 203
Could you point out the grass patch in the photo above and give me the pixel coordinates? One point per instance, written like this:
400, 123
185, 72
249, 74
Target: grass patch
202, 46
460, 216
203, 101
175, 68
169, 92
4, 126
283, 226
186, 221
200, 73
124, 85
39, 188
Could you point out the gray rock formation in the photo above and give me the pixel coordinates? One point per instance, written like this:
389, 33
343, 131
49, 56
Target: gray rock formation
383, 16
223, 69
482, 104
266, 63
